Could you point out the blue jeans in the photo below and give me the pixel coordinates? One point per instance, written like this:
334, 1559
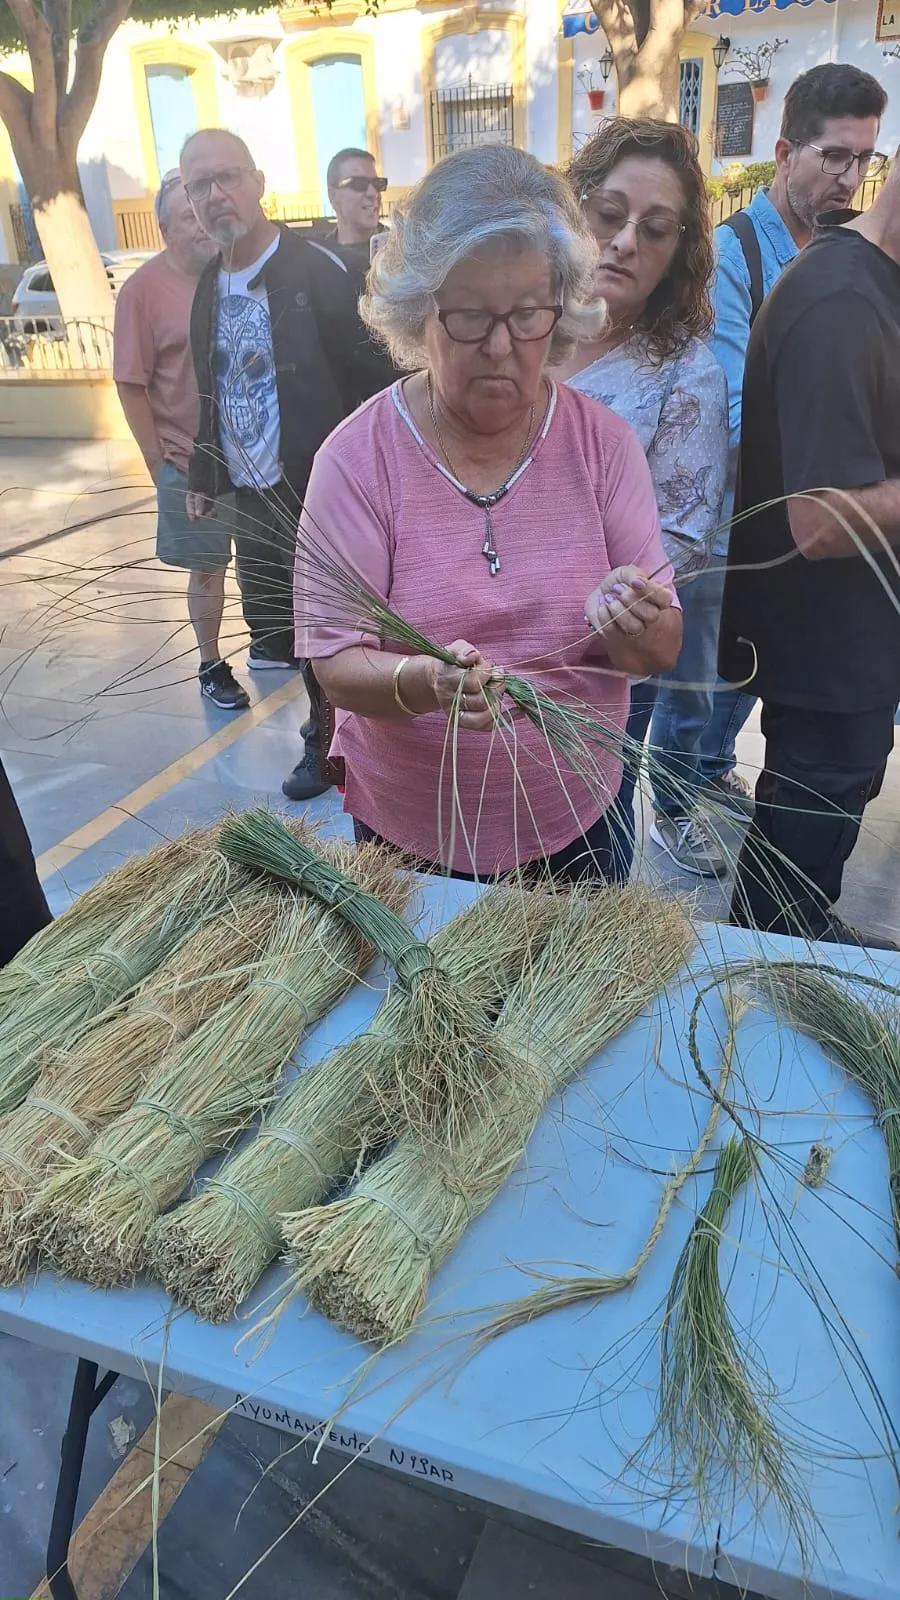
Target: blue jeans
621, 812
694, 724
731, 708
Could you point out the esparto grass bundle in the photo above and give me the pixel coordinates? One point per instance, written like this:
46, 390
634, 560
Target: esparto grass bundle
367, 1259
444, 1059
716, 1416
87, 924
196, 886
80, 1090
93, 1219
210, 1252
861, 1035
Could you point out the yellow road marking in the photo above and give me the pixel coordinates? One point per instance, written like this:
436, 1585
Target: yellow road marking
114, 1534
62, 854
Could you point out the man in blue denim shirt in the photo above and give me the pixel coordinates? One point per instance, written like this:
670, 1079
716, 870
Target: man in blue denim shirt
828, 109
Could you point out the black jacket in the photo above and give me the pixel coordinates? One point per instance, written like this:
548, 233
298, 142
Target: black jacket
325, 363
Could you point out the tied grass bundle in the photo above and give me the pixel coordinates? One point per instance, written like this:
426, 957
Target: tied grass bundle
196, 885
367, 1259
210, 1252
81, 1090
93, 1219
444, 1059
715, 1417
863, 1036
87, 924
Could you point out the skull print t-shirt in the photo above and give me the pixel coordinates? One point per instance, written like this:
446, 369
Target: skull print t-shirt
250, 425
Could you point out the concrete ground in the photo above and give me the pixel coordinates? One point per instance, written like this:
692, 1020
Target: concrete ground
108, 745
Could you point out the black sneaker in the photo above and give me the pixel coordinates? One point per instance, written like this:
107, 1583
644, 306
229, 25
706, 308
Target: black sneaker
219, 684
260, 660
839, 932
305, 782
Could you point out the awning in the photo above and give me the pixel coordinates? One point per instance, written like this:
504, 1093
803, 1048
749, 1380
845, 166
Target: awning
578, 17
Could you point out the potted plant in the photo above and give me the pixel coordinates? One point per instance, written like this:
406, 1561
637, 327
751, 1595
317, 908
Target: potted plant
596, 95
756, 65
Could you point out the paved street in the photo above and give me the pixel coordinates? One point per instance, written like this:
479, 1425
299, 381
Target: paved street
108, 745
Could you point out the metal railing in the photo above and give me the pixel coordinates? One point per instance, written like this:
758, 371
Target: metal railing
49, 346
725, 205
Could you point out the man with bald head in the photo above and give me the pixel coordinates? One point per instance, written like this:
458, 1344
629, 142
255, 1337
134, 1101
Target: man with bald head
281, 358
154, 375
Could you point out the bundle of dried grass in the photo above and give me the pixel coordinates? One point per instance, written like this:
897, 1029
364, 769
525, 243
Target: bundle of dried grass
93, 1219
444, 1061
366, 1260
89, 922
81, 1090
196, 886
715, 1412
211, 1251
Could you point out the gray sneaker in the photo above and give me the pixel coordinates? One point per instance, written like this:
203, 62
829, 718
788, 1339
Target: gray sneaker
734, 791
690, 845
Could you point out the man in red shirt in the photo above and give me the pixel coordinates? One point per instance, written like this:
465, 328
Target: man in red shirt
154, 374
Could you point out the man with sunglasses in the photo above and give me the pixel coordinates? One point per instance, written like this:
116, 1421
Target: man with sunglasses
281, 358
355, 191
829, 131
811, 613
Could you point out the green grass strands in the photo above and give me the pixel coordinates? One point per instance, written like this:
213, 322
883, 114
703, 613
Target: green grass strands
715, 1417
93, 1219
211, 1251
53, 1014
367, 1259
81, 1090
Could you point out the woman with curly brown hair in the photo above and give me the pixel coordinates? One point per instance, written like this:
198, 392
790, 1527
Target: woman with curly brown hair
643, 195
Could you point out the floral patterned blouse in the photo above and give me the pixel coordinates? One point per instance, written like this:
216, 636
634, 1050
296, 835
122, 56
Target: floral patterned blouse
679, 411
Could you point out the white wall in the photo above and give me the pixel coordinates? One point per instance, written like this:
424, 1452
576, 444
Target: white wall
818, 33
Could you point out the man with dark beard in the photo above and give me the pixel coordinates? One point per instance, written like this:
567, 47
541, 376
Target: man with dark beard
281, 358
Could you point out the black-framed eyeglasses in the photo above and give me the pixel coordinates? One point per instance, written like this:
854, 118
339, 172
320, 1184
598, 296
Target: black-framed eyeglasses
836, 162
607, 219
361, 185
525, 324
227, 178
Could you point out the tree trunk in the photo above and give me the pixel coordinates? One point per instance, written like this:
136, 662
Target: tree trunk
650, 87
645, 39
79, 276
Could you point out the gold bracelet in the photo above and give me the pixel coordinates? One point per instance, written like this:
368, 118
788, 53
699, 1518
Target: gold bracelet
397, 695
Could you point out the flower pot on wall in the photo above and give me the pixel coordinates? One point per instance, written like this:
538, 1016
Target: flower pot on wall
596, 98
759, 91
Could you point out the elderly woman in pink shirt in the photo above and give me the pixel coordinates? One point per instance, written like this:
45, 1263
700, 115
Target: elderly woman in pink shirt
494, 510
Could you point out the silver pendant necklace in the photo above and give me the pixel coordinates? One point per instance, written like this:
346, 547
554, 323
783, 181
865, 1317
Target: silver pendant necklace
485, 502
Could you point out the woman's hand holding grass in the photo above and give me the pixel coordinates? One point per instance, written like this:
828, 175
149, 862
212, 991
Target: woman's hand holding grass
627, 601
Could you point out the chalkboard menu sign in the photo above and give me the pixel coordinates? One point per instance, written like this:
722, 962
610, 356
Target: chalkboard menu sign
734, 121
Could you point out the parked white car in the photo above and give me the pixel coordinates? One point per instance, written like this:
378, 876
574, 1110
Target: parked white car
34, 304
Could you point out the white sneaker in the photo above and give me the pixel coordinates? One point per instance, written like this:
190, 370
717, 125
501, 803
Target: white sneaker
690, 845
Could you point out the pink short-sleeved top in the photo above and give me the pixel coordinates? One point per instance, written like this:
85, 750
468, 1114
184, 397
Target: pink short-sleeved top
379, 507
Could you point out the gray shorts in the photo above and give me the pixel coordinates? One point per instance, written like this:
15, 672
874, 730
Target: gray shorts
203, 546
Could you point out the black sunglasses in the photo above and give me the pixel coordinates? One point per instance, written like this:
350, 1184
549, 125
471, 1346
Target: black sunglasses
360, 185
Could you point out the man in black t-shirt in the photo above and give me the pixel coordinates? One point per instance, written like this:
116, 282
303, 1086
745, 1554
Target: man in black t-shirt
814, 627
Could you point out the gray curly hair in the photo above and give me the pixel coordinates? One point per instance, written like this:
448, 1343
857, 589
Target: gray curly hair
489, 193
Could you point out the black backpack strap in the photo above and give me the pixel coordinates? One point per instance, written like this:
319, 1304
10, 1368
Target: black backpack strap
741, 225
